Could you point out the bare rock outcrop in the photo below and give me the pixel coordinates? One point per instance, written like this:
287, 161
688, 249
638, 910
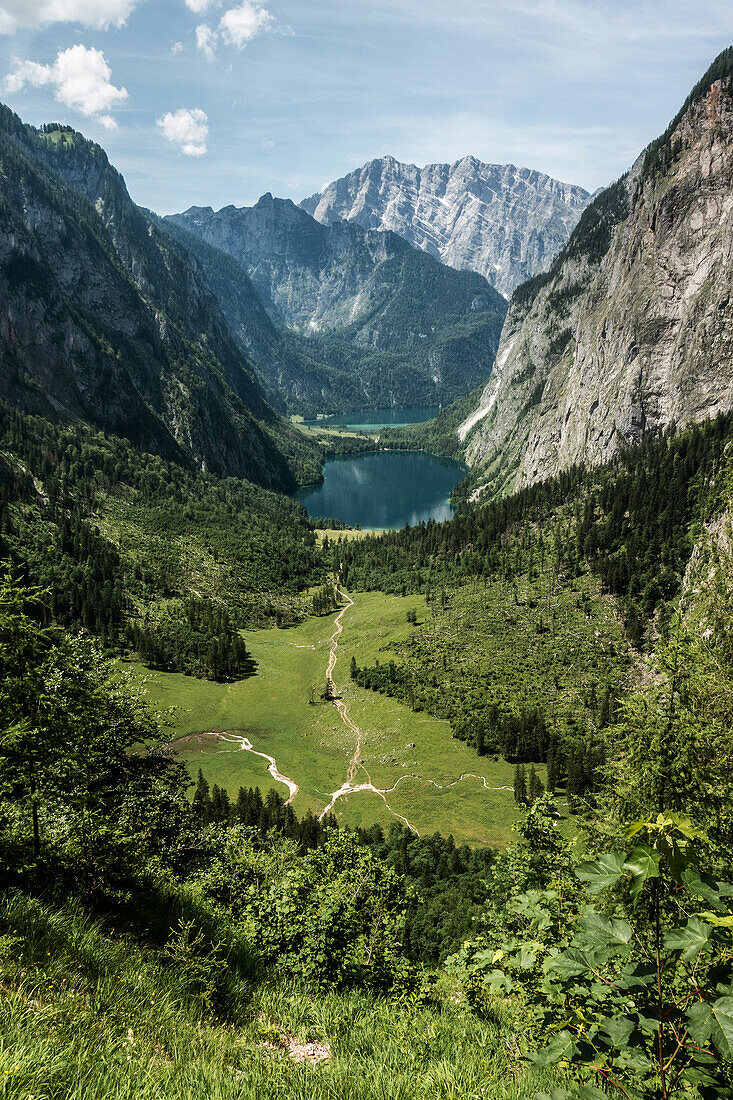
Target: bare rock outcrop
631, 331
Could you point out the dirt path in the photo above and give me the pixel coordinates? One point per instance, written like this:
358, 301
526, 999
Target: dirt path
349, 786
341, 706
245, 744
355, 763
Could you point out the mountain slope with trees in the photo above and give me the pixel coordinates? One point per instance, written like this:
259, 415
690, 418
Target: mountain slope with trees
104, 318
375, 321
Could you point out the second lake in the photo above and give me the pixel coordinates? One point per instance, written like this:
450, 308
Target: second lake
371, 420
383, 489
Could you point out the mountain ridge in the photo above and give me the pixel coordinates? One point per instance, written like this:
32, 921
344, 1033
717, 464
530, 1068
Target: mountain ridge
104, 318
631, 330
378, 322
506, 223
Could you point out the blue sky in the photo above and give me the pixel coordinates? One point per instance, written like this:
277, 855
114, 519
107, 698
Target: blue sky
217, 101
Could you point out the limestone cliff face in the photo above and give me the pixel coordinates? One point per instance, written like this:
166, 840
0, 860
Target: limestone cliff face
632, 329
507, 223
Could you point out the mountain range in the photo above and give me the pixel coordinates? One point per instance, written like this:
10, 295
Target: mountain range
366, 319
504, 222
192, 335
631, 330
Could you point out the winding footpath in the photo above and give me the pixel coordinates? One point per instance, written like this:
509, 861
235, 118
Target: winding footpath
245, 744
350, 785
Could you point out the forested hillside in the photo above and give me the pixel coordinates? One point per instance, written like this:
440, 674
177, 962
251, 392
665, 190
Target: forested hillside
186, 940
548, 675
105, 319
530, 598
144, 553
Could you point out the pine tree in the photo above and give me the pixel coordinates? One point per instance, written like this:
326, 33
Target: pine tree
201, 802
520, 785
535, 787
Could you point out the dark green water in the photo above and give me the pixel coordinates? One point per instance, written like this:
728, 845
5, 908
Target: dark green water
369, 420
381, 489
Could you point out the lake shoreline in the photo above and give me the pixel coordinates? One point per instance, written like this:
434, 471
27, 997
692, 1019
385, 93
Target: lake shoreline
383, 450
383, 488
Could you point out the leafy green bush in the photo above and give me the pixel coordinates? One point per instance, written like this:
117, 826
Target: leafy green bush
634, 995
334, 916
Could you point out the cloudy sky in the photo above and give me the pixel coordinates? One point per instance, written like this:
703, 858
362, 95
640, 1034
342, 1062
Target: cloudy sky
217, 101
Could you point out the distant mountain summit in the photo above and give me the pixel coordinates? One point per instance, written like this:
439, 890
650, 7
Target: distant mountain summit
373, 321
505, 223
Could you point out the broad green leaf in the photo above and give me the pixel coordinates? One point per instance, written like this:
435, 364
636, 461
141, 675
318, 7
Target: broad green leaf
600, 929
576, 962
685, 826
590, 1092
636, 976
690, 940
718, 921
705, 887
525, 958
722, 1032
713, 1023
499, 982
634, 1058
618, 1029
483, 958
700, 1022
647, 1024
642, 864
602, 872
561, 1048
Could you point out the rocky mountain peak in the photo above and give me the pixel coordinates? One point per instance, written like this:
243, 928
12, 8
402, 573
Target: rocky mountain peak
504, 222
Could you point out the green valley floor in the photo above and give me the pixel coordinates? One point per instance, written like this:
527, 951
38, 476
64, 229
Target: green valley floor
422, 775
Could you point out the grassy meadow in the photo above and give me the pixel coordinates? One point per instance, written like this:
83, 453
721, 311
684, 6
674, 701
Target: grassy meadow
313, 747
87, 1012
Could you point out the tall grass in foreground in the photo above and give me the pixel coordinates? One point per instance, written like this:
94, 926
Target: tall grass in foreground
88, 1015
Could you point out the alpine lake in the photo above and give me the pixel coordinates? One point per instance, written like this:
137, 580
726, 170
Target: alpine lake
383, 490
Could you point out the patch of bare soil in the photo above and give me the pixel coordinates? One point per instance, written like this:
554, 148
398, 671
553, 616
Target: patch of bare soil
200, 740
313, 1053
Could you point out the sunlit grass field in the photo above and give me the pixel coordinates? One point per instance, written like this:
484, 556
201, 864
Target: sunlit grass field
87, 1012
313, 747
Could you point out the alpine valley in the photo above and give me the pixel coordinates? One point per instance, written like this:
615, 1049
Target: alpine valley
293, 809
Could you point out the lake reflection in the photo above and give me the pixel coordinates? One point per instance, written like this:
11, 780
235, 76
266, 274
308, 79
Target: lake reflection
383, 489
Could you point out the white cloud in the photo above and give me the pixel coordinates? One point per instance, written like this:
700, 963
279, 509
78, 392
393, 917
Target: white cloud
80, 79
206, 40
199, 5
268, 143
186, 128
176, 47
237, 26
240, 25
89, 13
